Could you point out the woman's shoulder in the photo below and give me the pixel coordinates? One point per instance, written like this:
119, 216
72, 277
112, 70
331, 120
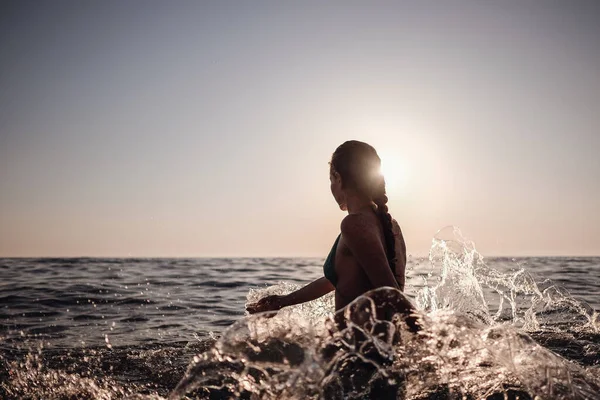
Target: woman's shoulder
354, 224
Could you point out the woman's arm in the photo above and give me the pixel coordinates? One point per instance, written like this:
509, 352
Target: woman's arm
312, 291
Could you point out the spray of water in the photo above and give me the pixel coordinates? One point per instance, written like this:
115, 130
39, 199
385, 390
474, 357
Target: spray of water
460, 280
457, 346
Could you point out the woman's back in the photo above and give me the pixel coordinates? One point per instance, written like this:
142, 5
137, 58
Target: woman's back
360, 262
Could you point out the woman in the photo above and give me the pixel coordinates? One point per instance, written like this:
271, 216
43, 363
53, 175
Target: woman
370, 251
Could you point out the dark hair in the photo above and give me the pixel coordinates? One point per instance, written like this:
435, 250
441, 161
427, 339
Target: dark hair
359, 167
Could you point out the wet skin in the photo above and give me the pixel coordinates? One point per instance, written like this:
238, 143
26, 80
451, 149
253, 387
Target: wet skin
360, 260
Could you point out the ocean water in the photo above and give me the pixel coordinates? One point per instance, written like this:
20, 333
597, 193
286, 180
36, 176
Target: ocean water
158, 328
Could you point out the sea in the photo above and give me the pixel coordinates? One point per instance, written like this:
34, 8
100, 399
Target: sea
158, 328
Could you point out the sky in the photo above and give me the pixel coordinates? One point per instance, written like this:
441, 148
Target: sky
197, 129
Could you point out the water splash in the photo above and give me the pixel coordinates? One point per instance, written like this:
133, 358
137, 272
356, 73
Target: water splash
314, 312
459, 279
463, 348
484, 333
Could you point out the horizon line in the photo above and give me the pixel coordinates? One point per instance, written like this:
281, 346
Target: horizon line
274, 256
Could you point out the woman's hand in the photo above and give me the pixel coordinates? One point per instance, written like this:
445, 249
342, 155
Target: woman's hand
268, 303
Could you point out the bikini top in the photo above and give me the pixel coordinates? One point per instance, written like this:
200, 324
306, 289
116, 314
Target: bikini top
329, 265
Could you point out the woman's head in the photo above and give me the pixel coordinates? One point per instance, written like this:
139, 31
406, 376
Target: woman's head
355, 169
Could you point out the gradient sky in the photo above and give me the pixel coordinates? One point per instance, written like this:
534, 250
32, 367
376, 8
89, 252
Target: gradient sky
204, 128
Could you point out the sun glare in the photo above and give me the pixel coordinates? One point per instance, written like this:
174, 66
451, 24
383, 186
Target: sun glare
395, 173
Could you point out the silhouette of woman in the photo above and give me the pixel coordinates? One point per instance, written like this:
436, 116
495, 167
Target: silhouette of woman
370, 251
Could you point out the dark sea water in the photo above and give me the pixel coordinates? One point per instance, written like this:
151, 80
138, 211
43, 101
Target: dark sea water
117, 328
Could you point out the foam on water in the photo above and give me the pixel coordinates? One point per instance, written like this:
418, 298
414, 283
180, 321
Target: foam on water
462, 349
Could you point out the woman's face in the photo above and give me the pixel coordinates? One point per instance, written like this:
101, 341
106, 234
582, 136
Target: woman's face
336, 189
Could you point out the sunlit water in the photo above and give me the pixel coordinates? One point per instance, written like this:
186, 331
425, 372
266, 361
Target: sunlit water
154, 328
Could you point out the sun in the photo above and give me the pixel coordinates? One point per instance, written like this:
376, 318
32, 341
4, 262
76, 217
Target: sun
395, 173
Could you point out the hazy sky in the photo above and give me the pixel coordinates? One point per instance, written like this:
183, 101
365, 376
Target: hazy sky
188, 128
